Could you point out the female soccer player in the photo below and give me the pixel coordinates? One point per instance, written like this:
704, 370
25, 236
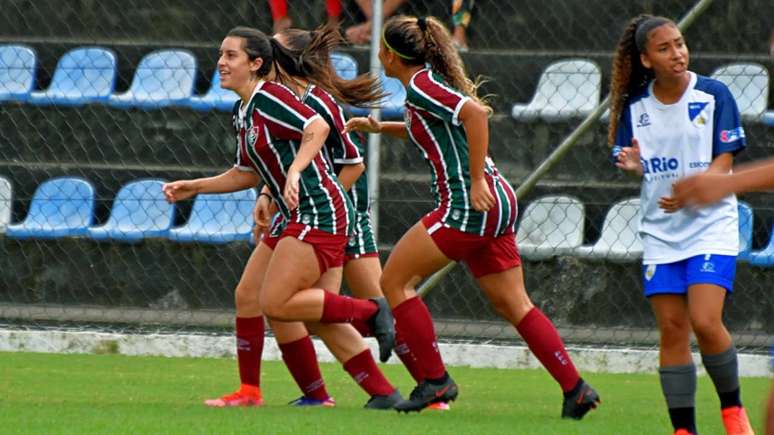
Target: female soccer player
279, 140
474, 217
671, 122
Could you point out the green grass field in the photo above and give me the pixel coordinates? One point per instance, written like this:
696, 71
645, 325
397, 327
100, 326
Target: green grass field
85, 394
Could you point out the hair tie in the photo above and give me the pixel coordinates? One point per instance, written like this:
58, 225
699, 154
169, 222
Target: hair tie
422, 23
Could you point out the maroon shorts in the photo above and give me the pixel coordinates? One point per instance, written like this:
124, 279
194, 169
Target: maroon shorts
329, 248
350, 257
484, 255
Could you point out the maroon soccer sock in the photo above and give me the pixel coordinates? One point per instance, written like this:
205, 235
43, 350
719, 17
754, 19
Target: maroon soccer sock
364, 371
544, 341
249, 341
408, 359
301, 360
414, 324
344, 309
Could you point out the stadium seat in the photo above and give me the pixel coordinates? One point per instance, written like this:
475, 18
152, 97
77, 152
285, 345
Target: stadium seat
550, 226
749, 84
768, 118
60, 207
6, 203
139, 211
17, 72
82, 76
345, 65
393, 105
745, 230
216, 98
218, 218
568, 88
619, 239
163, 78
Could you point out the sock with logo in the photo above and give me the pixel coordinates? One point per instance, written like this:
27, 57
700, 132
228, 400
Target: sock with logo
301, 360
678, 383
364, 371
414, 324
408, 359
723, 369
344, 309
249, 340
543, 340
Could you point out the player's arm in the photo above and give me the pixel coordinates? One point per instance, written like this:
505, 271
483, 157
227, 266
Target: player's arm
350, 173
371, 125
312, 142
229, 181
710, 187
475, 119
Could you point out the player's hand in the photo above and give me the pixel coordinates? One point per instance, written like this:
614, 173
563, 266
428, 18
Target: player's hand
291, 188
359, 123
669, 204
179, 190
701, 189
629, 158
262, 215
480, 196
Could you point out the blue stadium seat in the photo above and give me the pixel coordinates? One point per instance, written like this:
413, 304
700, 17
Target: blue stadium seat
163, 78
749, 84
17, 72
218, 218
764, 257
216, 98
6, 203
550, 226
619, 239
60, 207
82, 76
768, 118
745, 230
345, 65
139, 211
393, 105
566, 89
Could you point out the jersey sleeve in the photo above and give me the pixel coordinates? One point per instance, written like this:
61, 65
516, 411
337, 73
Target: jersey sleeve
286, 116
427, 91
344, 151
728, 135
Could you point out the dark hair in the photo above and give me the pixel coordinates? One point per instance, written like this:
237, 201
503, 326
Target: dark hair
258, 45
311, 51
629, 75
417, 41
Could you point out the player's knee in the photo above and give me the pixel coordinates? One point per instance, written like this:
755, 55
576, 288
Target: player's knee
706, 327
674, 328
247, 298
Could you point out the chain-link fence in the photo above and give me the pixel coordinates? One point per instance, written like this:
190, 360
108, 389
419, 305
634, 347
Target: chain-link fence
99, 100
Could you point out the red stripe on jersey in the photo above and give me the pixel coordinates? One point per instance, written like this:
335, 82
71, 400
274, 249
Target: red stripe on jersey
424, 138
339, 122
512, 201
336, 195
424, 82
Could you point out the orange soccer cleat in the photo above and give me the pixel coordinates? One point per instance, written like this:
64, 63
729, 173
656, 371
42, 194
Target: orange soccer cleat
736, 422
247, 395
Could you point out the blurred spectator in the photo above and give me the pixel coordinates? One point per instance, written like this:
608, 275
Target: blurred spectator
461, 18
361, 33
279, 13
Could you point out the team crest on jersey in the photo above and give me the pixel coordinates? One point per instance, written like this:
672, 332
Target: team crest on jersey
696, 113
252, 135
650, 271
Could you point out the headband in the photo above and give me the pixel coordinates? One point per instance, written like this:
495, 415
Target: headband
397, 53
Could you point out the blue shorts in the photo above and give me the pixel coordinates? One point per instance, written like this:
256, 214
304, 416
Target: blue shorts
675, 278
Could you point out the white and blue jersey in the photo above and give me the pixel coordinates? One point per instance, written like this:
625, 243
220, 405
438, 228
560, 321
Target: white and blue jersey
677, 140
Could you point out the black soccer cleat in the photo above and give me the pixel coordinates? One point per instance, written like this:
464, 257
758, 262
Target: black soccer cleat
384, 402
426, 393
383, 327
580, 402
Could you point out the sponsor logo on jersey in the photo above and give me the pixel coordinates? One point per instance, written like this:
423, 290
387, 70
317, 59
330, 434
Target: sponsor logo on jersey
699, 165
644, 120
728, 136
655, 165
306, 219
456, 214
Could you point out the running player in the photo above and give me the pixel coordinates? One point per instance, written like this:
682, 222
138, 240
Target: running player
279, 140
669, 122
474, 217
